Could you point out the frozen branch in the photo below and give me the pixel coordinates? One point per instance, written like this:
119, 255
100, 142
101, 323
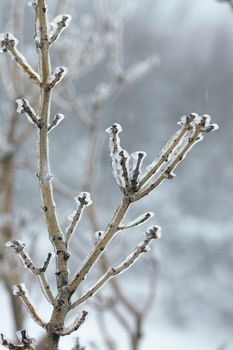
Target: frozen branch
127, 173
119, 158
137, 222
151, 233
56, 121
26, 342
74, 326
100, 244
57, 26
18, 246
196, 125
56, 77
82, 201
21, 291
55, 233
137, 160
8, 43
23, 106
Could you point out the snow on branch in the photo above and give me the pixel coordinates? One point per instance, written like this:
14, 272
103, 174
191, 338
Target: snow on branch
21, 291
82, 200
19, 246
120, 158
25, 341
137, 222
56, 121
153, 232
127, 171
57, 26
74, 326
192, 128
23, 106
137, 160
8, 43
56, 77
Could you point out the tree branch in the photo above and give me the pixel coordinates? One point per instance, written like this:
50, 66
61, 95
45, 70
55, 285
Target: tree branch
18, 246
152, 233
20, 291
74, 326
9, 44
26, 342
82, 201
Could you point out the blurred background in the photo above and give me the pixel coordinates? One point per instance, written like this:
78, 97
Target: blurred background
189, 69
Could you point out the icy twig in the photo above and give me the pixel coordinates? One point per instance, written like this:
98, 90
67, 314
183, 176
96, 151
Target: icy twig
23, 106
8, 43
56, 77
120, 159
74, 326
82, 201
20, 291
46, 189
58, 25
137, 222
196, 126
56, 121
127, 174
151, 233
136, 168
18, 246
26, 342
165, 153
101, 244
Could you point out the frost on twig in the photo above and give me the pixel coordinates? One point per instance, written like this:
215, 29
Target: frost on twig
74, 326
56, 121
23, 106
82, 200
19, 246
8, 43
137, 222
25, 341
127, 172
153, 232
56, 77
120, 158
57, 26
21, 291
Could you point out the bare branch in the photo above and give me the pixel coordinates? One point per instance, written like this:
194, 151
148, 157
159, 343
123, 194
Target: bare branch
8, 43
